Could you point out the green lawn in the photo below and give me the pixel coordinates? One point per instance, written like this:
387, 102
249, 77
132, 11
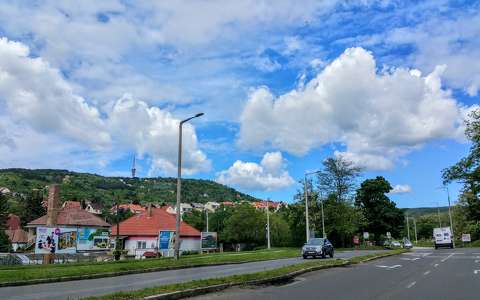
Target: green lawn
237, 279
28, 272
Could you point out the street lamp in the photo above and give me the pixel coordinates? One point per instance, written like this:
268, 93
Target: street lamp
445, 188
179, 184
307, 224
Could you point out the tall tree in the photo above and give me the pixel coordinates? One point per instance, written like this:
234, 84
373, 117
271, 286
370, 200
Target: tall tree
4, 241
380, 212
467, 170
246, 225
339, 177
33, 207
196, 219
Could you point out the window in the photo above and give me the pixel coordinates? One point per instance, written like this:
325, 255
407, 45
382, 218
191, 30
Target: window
141, 245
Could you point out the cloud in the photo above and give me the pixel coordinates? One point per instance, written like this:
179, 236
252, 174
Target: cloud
269, 175
53, 119
379, 116
401, 189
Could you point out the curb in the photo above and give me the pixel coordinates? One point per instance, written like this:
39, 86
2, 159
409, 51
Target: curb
218, 287
120, 273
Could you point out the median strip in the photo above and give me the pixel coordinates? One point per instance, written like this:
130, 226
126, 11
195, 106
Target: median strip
199, 287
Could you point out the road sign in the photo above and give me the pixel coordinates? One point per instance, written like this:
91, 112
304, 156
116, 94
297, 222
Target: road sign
389, 235
466, 237
365, 235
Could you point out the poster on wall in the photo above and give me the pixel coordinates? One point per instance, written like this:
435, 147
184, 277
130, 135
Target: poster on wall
209, 240
92, 239
166, 240
55, 240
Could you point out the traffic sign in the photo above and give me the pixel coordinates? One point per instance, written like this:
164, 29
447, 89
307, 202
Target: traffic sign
466, 237
389, 235
365, 235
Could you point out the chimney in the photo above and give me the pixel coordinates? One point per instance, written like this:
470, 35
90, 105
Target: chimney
53, 204
149, 210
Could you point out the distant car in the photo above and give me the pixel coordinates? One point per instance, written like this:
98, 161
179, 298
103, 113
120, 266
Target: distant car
407, 244
317, 247
396, 244
387, 244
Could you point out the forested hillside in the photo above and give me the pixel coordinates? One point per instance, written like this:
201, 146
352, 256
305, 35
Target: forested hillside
78, 186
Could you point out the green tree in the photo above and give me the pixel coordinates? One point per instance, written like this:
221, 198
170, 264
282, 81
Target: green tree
33, 207
217, 220
380, 212
4, 241
339, 177
196, 219
280, 235
245, 225
294, 216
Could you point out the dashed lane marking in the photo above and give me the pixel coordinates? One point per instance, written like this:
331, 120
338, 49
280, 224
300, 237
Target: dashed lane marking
426, 273
476, 271
410, 259
411, 284
389, 267
451, 254
435, 265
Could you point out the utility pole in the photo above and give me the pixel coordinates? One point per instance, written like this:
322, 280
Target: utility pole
445, 188
307, 225
415, 227
268, 224
206, 211
179, 186
323, 217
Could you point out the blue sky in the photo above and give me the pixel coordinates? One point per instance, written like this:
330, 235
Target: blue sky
386, 84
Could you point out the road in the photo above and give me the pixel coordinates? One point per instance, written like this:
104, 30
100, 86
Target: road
91, 287
420, 274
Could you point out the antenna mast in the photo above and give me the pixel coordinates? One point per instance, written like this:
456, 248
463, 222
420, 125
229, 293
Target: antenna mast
133, 167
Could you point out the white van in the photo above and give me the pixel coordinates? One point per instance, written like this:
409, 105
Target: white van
442, 237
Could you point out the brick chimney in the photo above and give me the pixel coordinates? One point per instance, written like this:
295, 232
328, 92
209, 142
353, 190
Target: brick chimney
149, 210
53, 204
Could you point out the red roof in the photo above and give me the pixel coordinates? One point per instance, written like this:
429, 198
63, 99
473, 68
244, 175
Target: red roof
17, 236
73, 217
13, 222
228, 203
132, 207
142, 224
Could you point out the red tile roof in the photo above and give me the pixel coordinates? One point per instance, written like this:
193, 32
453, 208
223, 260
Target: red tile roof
132, 207
142, 224
71, 204
17, 236
13, 222
73, 217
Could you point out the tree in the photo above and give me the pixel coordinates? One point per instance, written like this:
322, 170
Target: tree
246, 225
380, 212
467, 170
280, 235
4, 241
338, 177
33, 207
196, 219
294, 216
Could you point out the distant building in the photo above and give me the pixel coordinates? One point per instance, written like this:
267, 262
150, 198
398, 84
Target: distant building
140, 232
13, 222
94, 208
134, 208
228, 203
198, 206
275, 206
4, 190
212, 206
18, 238
72, 204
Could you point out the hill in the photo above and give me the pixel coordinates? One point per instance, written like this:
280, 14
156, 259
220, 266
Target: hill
420, 211
78, 186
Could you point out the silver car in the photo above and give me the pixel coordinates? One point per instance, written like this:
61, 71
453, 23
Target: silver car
317, 247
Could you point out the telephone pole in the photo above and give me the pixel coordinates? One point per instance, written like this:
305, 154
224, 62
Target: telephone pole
268, 224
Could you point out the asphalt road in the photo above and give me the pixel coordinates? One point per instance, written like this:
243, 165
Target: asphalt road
91, 287
421, 274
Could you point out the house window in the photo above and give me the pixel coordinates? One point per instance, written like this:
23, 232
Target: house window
141, 245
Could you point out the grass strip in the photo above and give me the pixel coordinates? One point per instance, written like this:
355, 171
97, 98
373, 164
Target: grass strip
243, 279
17, 274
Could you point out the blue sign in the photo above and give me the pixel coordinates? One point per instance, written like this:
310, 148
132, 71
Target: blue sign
166, 240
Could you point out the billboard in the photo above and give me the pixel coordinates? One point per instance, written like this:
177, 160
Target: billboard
466, 237
166, 240
209, 240
70, 240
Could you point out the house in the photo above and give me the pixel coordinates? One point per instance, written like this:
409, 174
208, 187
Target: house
75, 230
13, 222
4, 190
198, 206
134, 208
275, 206
94, 208
72, 204
228, 203
18, 238
212, 206
140, 232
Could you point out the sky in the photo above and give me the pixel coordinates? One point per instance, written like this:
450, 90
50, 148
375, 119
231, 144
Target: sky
87, 85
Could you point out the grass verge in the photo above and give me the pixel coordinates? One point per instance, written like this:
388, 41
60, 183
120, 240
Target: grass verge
22, 273
244, 279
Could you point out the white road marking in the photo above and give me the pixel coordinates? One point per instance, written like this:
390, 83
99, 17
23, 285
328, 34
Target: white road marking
410, 259
426, 273
297, 281
475, 253
451, 254
388, 267
411, 284
435, 265
477, 260
476, 271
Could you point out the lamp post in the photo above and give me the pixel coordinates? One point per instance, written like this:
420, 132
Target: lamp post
307, 224
179, 184
268, 224
445, 188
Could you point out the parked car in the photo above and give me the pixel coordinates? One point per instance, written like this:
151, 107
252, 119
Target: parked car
396, 244
387, 244
317, 247
407, 244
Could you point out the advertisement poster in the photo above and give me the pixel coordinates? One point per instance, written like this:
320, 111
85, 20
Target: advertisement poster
55, 240
209, 240
166, 240
466, 238
92, 239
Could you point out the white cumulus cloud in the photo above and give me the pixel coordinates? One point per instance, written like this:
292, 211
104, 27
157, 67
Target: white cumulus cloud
378, 116
401, 189
269, 175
